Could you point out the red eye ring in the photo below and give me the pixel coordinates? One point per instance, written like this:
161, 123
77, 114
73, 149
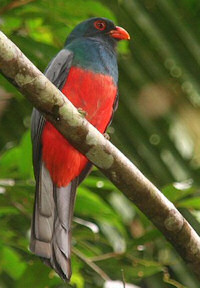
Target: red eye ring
100, 25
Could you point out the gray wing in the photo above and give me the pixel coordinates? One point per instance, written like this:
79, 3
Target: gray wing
57, 73
53, 208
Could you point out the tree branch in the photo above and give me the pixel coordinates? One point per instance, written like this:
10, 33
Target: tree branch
14, 4
90, 263
83, 136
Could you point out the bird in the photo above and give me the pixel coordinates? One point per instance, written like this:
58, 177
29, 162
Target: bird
86, 72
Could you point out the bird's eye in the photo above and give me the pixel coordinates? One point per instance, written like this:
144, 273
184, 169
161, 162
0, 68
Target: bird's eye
100, 25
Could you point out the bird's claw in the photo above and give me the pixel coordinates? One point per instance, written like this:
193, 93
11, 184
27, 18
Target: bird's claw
106, 135
82, 112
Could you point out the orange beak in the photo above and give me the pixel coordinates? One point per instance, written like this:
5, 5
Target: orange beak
119, 33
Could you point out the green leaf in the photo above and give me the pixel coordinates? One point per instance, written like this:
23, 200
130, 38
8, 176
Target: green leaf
17, 161
176, 191
98, 182
149, 236
122, 206
25, 164
9, 162
192, 203
116, 240
38, 275
11, 263
8, 211
91, 205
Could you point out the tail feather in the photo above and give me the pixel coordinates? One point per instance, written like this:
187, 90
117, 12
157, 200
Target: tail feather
51, 224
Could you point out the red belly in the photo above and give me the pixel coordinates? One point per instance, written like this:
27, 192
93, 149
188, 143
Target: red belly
95, 94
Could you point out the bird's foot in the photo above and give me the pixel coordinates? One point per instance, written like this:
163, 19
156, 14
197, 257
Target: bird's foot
106, 135
82, 112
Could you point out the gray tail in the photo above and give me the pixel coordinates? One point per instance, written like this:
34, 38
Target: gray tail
51, 223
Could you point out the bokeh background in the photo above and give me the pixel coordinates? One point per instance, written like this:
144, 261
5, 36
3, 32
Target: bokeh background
157, 126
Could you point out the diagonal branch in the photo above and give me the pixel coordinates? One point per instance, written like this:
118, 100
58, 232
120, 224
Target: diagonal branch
14, 4
83, 136
90, 263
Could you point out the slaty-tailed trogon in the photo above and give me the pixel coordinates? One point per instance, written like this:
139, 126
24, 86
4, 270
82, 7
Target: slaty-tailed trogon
85, 70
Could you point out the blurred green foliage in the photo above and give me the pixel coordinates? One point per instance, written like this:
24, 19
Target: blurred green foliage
156, 126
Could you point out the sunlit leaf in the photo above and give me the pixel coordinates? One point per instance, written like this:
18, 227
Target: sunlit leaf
118, 284
177, 191
89, 204
192, 203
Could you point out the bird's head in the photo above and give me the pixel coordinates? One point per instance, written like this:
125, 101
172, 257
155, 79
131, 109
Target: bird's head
99, 28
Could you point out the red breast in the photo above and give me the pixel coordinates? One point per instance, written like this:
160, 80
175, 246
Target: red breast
95, 94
